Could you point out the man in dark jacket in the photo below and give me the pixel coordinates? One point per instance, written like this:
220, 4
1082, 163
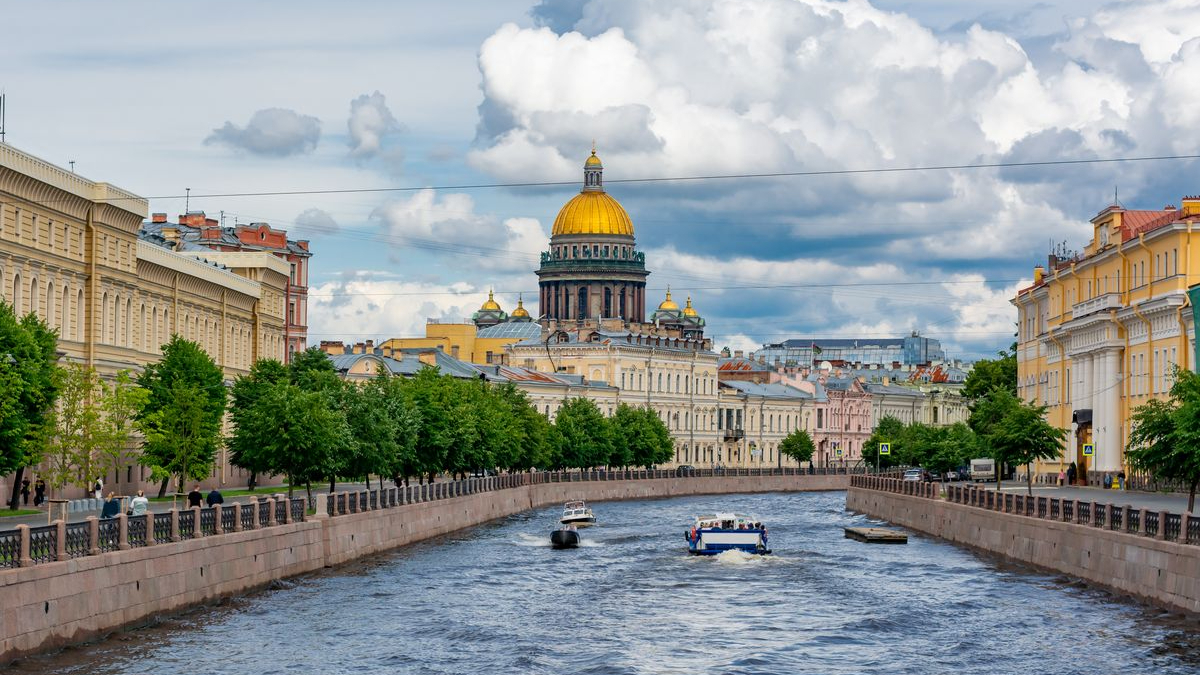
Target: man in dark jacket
195, 497
215, 497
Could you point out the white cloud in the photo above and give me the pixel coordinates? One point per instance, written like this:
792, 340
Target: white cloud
272, 132
317, 220
370, 120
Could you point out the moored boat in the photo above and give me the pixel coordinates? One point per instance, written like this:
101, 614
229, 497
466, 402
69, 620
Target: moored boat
566, 537
577, 513
716, 533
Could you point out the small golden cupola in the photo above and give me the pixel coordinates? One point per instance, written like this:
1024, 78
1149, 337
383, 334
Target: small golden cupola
520, 312
491, 303
593, 211
489, 313
668, 304
688, 310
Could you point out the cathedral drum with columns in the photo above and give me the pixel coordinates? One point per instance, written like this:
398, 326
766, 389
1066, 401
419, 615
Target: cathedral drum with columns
593, 269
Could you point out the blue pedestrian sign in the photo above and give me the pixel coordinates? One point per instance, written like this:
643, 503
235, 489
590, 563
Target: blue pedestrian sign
1089, 449
837, 452
885, 448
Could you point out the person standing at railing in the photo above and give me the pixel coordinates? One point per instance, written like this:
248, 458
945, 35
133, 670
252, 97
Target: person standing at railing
112, 507
215, 497
139, 504
195, 497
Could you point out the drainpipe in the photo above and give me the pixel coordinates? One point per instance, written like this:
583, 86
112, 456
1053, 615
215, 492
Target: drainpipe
1149, 327
93, 283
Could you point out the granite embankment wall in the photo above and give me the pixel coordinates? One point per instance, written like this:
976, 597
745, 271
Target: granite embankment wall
1163, 573
69, 601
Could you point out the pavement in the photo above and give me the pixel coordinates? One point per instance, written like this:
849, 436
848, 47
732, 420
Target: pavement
9, 522
1155, 501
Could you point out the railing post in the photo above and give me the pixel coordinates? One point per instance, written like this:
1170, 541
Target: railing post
150, 538
237, 516
23, 555
61, 553
93, 535
122, 532
1184, 530
255, 507
271, 512
1161, 534
197, 531
175, 525
1142, 521
1108, 509
287, 513
1075, 518
1127, 525
218, 526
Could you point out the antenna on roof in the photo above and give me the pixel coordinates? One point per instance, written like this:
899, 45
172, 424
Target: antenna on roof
72, 163
187, 200
3, 96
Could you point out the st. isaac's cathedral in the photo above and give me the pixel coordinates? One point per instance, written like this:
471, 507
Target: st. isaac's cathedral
594, 276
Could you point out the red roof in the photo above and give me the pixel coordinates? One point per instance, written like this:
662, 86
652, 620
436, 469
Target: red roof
1137, 222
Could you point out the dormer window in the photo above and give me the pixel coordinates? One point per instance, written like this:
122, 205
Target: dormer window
1104, 235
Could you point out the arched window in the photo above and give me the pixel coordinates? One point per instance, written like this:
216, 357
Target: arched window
127, 329
142, 329
16, 295
116, 329
50, 315
104, 317
33, 296
65, 329
78, 314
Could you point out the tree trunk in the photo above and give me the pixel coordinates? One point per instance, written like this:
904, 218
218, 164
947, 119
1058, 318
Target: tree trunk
253, 482
332, 485
291, 486
1029, 478
308, 489
162, 488
15, 502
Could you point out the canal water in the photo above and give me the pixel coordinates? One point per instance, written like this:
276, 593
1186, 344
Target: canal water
497, 599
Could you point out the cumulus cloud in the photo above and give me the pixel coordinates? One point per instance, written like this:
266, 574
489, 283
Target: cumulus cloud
317, 220
755, 86
370, 120
272, 132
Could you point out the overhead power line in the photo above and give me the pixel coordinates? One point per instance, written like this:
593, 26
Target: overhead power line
668, 179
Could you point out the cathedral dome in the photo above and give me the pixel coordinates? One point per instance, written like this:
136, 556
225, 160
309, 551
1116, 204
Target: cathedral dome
593, 211
688, 310
668, 304
491, 304
520, 311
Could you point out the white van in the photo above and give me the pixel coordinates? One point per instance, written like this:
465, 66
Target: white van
983, 469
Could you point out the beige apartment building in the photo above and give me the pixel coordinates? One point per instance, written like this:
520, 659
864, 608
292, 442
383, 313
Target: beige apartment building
70, 252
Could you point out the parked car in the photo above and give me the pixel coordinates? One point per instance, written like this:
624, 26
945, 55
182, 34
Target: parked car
914, 475
952, 475
983, 469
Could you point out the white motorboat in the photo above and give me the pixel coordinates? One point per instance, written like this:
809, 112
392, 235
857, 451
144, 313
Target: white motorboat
715, 533
578, 514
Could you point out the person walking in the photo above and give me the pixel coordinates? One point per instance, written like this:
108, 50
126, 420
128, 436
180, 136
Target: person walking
39, 492
139, 504
195, 497
215, 497
98, 488
25, 491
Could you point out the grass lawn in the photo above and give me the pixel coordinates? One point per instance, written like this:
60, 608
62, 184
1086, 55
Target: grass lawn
264, 491
4, 513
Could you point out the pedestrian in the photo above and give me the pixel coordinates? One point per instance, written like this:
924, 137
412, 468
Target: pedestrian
139, 504
1062, 478
39, 492
98, 488
195, 497
1071, 473
1121, 479
214, 497
25, 491
112, 506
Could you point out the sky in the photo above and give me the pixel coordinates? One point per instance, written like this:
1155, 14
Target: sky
405, 107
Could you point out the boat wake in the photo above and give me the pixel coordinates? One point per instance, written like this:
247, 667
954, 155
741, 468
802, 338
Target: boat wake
734, 557
543, 541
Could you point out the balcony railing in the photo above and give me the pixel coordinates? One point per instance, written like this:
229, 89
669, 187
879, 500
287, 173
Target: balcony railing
734, 434
1099, 303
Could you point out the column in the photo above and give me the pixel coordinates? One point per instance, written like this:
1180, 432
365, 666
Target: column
1109, 455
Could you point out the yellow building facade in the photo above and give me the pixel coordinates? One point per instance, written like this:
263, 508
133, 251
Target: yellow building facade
1100, 331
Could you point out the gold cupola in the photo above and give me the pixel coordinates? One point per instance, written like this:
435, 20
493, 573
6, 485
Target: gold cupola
491, 304
668, 304
593, 211
520, 312
688, 310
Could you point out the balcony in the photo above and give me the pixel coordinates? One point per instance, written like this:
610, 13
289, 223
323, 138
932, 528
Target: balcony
734, 434
1100, 303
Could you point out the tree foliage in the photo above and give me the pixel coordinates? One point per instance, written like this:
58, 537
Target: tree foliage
989, 374
639, 438
30, 380
92, 427
1165, 439
798, 445
585, 434
1022, 435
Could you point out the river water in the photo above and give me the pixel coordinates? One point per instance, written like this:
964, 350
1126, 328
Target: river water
497, 599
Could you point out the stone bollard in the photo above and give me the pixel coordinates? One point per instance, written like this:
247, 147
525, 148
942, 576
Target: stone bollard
1185, 534
175, 525
322, 507
1075, 517
150, 538
1142, 521
237, 516
23, 554
93, 535
1108, 516
218, 525
61, 553
195, 516
254, 508
270, 504
1162, 526
1128, 524
122, 532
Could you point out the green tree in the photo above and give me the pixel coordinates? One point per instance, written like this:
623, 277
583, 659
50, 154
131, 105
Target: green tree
1022, 436
1165, 440
246, 450
889, 430
70, 457
371, 443
302, 433
989, 374
799, 446
955, 446
30, 380
405, 424
184, 382
431, 396
639, 438
586, 434
119, 402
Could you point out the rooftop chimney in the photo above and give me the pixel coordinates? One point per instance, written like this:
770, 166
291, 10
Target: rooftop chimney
158, 218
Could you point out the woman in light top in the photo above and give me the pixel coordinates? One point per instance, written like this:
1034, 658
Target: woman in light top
139, 504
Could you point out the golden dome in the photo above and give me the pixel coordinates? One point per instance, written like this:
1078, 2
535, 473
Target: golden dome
491, 304
593, 160
593, 213
520, 311
668, 304
689, 310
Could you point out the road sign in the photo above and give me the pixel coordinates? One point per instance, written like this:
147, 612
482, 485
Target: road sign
885, 448
1089, 449
837, 452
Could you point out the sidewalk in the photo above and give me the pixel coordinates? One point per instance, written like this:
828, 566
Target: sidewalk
1155, 501
9, 522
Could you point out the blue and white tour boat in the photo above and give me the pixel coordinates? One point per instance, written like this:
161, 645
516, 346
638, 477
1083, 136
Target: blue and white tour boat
577, 514
716, 533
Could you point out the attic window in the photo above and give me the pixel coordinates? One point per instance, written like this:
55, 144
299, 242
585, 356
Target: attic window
1104, 235
262, 235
